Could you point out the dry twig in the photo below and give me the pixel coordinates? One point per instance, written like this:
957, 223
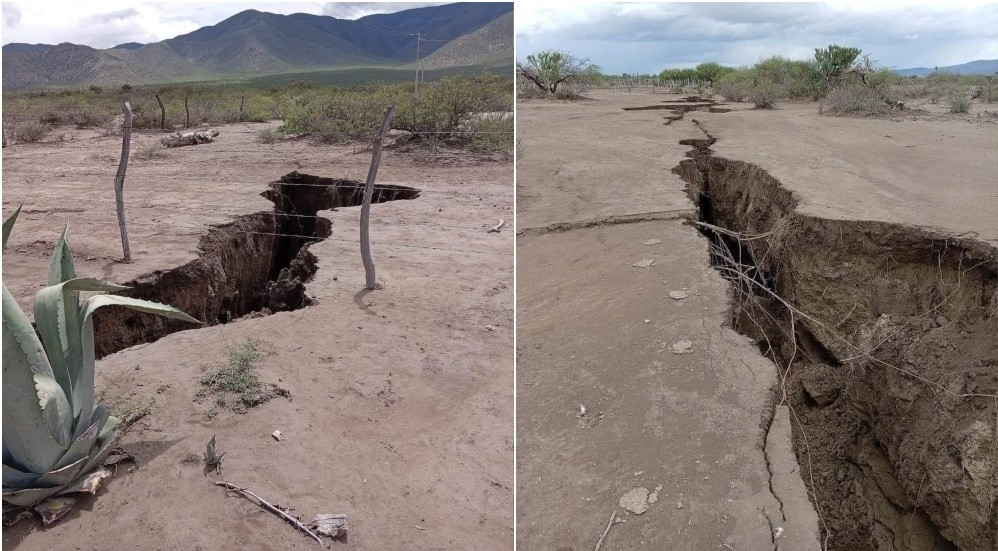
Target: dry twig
606, 530
272, 508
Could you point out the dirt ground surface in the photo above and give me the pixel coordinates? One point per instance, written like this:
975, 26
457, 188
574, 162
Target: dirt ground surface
685, 430
400, 401
596, 327
914, 170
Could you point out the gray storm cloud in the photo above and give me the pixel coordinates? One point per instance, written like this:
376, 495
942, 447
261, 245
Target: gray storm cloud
650, 37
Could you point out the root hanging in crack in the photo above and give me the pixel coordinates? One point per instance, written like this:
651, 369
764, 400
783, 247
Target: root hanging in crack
255, 265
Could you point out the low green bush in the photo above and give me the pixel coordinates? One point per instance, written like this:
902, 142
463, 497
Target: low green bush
958, 103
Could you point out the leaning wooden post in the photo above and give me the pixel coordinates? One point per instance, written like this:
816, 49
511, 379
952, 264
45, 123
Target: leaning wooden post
365, 210
119, 180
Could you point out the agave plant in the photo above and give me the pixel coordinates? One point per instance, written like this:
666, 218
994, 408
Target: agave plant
55, 439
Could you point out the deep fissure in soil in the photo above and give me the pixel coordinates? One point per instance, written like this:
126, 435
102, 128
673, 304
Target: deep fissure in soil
889, 357
254, 265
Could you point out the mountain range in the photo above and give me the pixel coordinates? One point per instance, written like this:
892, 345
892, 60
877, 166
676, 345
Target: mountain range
977, 67
254, 43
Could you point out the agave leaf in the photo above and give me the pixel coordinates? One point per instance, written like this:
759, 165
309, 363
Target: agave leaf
61, 477
54, 509
28, 496
84, 442
83, 387
61, 267
14, 479
32, 398
8, 225
57, 315
104, 445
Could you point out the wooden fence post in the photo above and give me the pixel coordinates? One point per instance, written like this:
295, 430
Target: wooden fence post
365, 210
119, 180
162, 114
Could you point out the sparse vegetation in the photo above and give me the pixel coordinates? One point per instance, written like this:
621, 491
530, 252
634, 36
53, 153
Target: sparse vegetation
150, 150
857, 99
270, 135
441, 110
235, 383
326, 113
29, 132
958, 102
764, 95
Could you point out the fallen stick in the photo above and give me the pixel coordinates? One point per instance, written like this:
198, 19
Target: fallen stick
272, 508
599, 543
498, 226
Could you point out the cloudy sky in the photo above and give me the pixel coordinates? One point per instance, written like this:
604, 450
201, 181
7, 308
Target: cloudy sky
108, 23
647, 38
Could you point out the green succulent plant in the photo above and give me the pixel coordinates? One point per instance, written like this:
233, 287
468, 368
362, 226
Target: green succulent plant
55, 439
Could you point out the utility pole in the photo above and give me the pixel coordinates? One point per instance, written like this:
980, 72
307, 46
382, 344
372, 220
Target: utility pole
418, 38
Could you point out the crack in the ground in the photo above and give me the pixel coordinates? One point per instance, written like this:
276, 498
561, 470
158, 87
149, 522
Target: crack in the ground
861, 319
611, 220
253, 266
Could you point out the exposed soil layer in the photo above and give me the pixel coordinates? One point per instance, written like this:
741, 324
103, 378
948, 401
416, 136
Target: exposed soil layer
258, 263
885, 337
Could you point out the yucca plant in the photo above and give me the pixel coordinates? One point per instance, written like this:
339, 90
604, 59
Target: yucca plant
55, 439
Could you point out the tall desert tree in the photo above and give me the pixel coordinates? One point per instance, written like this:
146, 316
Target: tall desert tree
834, 61
549, 69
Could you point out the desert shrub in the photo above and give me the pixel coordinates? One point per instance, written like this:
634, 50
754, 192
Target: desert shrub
29, 132
491, 135
940, 85
51, 118
988, 91
764, 95
793, 79
958, 103
297, 112
150, 150
268, 136
735, 86
854, 98
87, 117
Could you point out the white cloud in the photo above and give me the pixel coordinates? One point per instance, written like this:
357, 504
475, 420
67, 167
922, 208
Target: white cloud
11, 15
109, 23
